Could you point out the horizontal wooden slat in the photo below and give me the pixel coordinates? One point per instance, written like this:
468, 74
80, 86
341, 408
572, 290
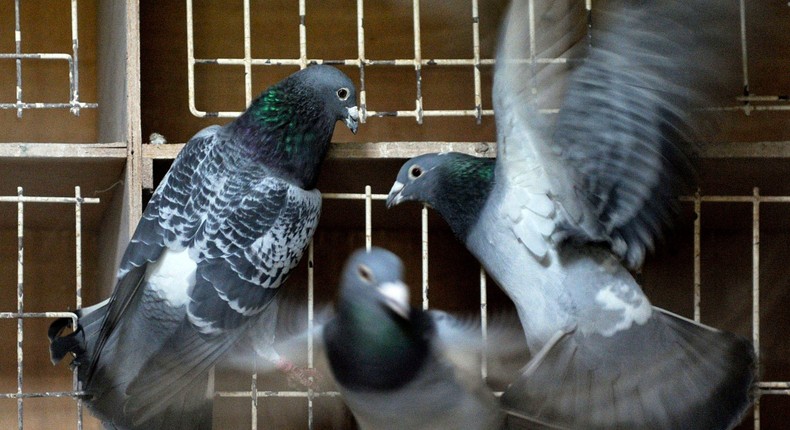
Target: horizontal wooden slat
779, 149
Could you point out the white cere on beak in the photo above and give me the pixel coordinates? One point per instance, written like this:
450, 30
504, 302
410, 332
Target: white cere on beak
394, 197
396, 296
352, 119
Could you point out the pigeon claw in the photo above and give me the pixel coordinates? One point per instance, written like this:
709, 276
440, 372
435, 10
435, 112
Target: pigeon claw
306, 377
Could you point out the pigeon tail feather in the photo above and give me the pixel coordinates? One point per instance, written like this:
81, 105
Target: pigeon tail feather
80, 341
701, 378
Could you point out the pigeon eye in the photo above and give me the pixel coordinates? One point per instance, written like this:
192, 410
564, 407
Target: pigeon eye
343, 93
415, 172
365, 273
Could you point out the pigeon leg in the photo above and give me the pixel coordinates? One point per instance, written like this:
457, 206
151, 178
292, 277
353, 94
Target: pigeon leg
299, 376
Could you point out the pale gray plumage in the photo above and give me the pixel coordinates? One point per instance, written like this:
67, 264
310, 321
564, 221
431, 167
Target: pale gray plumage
574, 201
398, 367
228, 222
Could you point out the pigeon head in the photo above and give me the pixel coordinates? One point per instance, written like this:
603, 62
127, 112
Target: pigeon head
335, 90
456, 185
289, 126
376, 341
376, 276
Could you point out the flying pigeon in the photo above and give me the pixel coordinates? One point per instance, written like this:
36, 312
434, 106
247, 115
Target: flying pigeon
573, 202
395, 365
226, 225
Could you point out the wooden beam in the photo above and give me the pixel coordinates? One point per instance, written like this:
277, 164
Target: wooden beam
779, 149
63, 150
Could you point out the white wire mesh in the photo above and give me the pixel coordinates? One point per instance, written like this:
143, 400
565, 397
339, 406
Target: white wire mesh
418, 62
72, 59
256, 392
748, 101
20, 315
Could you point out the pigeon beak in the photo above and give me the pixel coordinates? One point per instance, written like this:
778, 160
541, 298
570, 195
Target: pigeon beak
352, 119
396, 297
395, 196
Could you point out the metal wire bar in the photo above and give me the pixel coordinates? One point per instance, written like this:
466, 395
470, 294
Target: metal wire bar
484, 323
27, 106
20, 315
302, 34
20, 302
417, 60
756, 297
45, 394
424, 242
476, 60
247, 55
18, 48
286, 394
310, 323
44, 199
361, 62
78, 281
697, 256
368, 217
739, 199
744, 50
770, 385
399, 62
74, 77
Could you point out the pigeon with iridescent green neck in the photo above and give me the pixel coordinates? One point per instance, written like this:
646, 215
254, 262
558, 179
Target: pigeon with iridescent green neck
401, 368
228, 222
573, 201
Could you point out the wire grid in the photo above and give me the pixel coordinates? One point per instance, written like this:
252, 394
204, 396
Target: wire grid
20, 199
762, 387
747, 102
255, 393
74, 104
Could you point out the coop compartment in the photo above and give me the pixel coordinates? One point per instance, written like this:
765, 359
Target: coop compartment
69, 105
423, 71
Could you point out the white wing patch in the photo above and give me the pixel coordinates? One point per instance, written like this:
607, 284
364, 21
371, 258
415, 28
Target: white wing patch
620, 297
531, 216
172, 276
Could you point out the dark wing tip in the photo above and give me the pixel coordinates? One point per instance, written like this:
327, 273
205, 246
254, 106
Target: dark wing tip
671, 373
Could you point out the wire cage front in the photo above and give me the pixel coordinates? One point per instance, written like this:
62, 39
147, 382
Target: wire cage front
423, 70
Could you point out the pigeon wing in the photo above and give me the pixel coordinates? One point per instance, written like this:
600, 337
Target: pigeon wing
166, 209
617, 154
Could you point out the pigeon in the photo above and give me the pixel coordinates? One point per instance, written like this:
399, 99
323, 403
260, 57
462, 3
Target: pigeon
573, 202
398, 367
229, 221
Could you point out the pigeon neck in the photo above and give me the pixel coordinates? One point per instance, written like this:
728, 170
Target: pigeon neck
282, 130
465, 183
375, 353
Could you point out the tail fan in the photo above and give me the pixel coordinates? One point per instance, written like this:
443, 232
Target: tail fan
670, 373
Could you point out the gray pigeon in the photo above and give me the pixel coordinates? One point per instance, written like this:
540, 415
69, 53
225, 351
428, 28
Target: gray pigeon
398, 367
224, 228
569, 206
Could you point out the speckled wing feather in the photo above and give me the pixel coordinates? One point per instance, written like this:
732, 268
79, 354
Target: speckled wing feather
247, 255
164, 221
609, 167
240, 231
